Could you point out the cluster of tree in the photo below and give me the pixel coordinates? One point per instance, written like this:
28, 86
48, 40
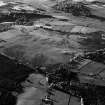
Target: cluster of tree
21, 20
98, 56
77, 9
5, 27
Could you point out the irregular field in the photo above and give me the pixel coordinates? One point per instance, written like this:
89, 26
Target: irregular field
41, 46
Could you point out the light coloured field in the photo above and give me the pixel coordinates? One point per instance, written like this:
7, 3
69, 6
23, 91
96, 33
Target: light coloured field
34, 92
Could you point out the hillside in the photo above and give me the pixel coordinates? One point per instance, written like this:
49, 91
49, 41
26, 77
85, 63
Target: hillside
44, 36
